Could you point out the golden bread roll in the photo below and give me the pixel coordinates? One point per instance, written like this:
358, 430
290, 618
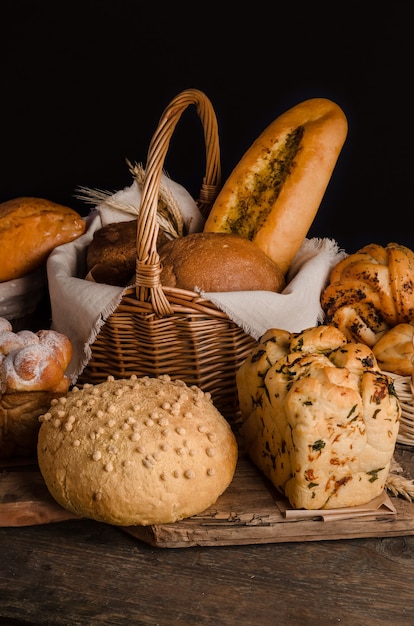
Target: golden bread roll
36, 364
360, 321
218, 262
274, 192
320, 422
394, 351
369, 293
30, 228
136, 451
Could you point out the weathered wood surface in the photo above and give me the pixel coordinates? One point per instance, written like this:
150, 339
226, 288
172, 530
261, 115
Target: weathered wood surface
81, 572
245, 514
77, 573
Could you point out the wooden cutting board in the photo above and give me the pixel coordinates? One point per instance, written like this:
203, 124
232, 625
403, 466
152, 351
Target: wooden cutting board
249, 512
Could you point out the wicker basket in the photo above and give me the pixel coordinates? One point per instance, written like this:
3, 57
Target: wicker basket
404, 388
157, 330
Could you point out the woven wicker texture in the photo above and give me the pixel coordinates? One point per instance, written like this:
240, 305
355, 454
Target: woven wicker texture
157, 330
404, 388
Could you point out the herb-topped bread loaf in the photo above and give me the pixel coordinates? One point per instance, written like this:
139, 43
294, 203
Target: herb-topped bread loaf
320, 419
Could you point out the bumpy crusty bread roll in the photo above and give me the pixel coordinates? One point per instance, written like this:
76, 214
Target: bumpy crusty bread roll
136, 451
371, 291
30, 228
320, 419
218, 262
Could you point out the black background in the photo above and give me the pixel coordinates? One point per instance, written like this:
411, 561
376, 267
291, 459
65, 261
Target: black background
83, 86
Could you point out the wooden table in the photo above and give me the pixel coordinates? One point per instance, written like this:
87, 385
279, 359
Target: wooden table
83, 572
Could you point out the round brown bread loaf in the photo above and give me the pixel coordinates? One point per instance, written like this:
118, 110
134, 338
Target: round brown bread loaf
218, 262
111, 255
136, 451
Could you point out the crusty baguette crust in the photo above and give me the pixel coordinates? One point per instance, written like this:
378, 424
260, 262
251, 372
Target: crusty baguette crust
274, 192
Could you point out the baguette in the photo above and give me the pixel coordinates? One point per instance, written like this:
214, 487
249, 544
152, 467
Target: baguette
273, 194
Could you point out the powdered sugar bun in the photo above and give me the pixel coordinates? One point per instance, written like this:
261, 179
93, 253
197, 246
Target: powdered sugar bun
57, 344
28, 337
32, 368
9, 341
5, 324
32, 374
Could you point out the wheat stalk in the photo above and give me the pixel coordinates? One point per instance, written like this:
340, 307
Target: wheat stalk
400, 486
169, 215
100, 196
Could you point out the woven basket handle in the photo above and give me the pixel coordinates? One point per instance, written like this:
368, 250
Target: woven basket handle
147, 276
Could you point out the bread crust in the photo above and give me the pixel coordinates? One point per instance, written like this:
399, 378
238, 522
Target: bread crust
19, 421
394, 350
320, 421
273, 194
112, 254
217, 262
136, 451
32, 375
370, 292
30, 228
37, 363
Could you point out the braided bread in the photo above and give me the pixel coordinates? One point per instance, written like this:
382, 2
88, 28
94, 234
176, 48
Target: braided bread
32, 374
394, 351
369, 293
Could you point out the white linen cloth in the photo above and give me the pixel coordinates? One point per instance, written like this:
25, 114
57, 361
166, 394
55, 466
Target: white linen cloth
298, 306
80, 307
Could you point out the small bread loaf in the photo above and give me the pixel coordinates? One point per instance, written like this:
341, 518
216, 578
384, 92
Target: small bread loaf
136, 451
320, 418
111, 255
218, 262
30, 228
